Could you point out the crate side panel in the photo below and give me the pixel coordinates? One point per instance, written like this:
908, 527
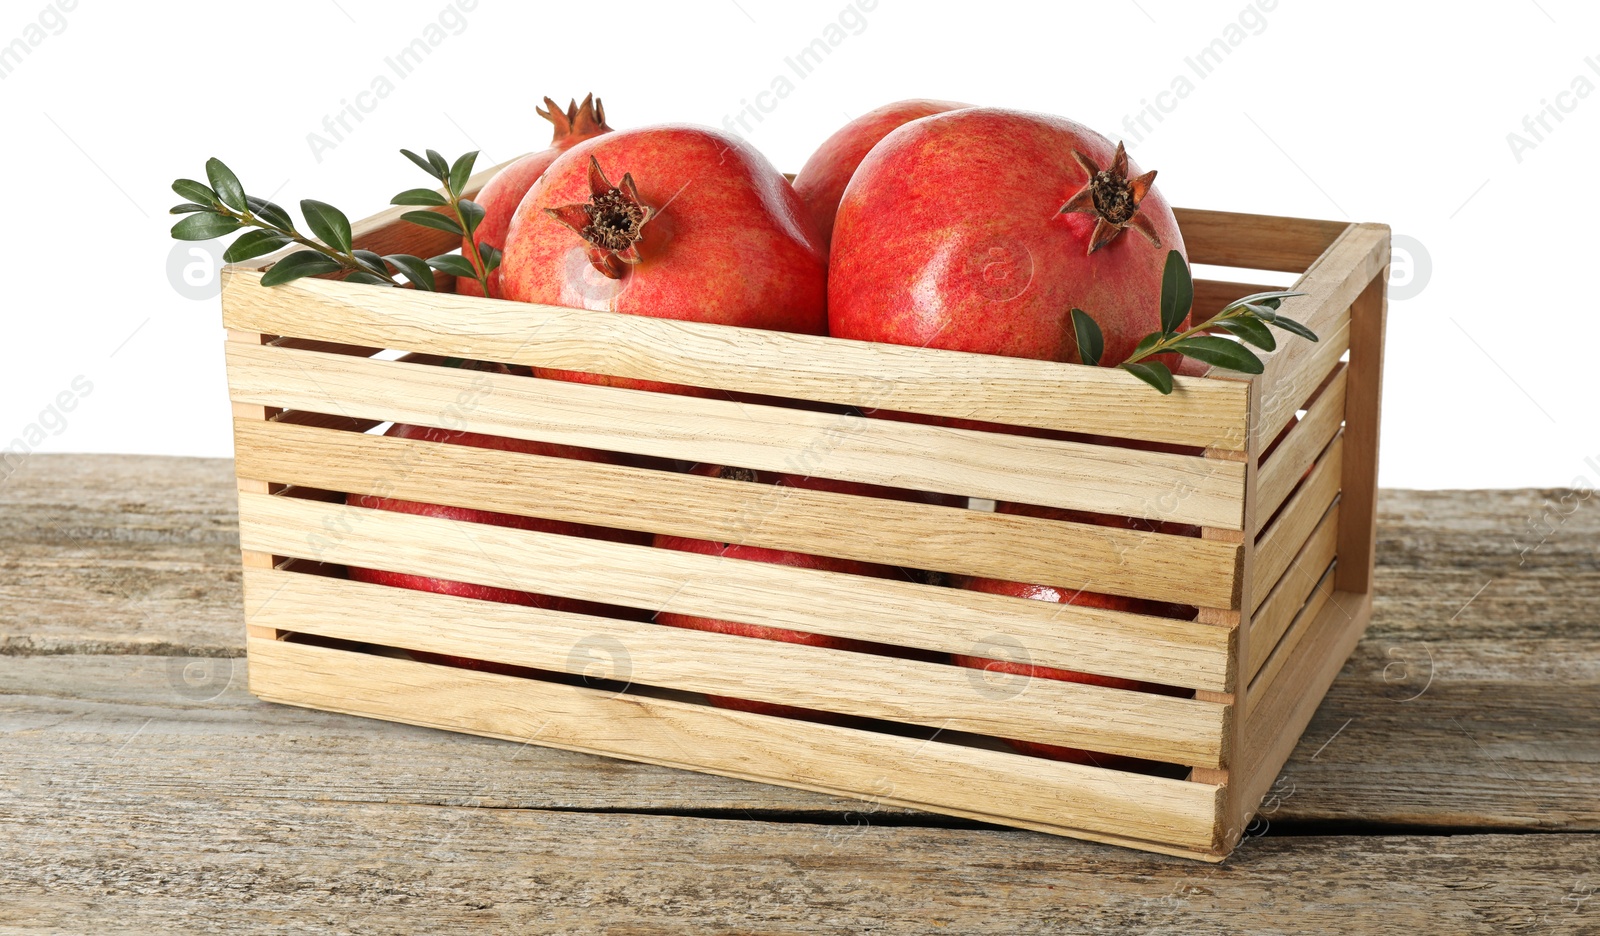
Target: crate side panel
1290, 461
1287, 535
1252, 241
1291, 593
894, 612
1123, 482
1042, 394
780, 750
893, 532
934, 695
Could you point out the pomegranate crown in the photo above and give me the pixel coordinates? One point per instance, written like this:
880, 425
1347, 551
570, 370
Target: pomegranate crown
611, 222
578, 121
1113, 199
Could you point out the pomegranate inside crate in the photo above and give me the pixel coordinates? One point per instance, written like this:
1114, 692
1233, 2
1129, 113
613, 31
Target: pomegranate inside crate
932, 478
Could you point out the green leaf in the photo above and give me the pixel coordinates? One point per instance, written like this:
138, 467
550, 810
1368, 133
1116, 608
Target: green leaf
1294, 328
1146, 343
1252, 331
462, 171
432, 219
370, 279
187, 208
423, 164
454, 264
1220, 352
204, 226
372, 259
1155, 374
414, 269
194, 191
1268, 299
419, 196
270, 212
1091, 343
441, 166
472, 212
252, 244
1261, 310
491, 257
328, 223
1177, 292
226, 184
298, 264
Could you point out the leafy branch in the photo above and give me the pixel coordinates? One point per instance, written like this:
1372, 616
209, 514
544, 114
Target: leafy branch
223, 208
1247, 319
476, 260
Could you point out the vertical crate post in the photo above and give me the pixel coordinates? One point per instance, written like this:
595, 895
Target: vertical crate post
1230, 821
1358, 513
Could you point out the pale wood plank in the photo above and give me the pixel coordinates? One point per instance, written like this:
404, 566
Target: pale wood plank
1102, 401
999, 466
1252, 241
1358, 536
934, 695
1331, 284
1283, 603
1288, 463
1293, 637
696, 737
918, 536
1284, 538
899, 613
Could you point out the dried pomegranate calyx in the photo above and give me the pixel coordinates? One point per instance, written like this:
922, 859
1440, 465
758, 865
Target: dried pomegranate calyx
577, 122
1113, 199
611, 222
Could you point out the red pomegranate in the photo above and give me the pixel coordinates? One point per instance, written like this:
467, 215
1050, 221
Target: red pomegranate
981, 229
670, 221
501, 196
821, 181
466, 515
798, 560
1085, 599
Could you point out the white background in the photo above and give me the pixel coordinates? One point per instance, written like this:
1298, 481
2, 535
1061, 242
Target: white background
1362, 110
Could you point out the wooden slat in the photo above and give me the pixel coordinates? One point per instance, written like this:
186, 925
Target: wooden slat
1119, 481
1331, 284
1358, 536
1285, 537
695, 737
1257, 242
1096, 400
1288, 463
1291, 393
888, 611
1272, 618
918, 536
1289, 644
1280, 710
934, 695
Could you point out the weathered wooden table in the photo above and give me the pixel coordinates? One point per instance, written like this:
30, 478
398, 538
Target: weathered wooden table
1450, 783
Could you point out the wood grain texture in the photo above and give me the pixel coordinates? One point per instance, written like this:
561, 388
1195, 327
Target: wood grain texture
1283, 603
915, 536
1288, 463
643, 654
899, 613
1256, 242
108, 864
1103, 401
1360, 486
911, 771
999, 466
1285, 536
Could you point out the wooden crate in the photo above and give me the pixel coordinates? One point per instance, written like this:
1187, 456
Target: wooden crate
1283, 572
